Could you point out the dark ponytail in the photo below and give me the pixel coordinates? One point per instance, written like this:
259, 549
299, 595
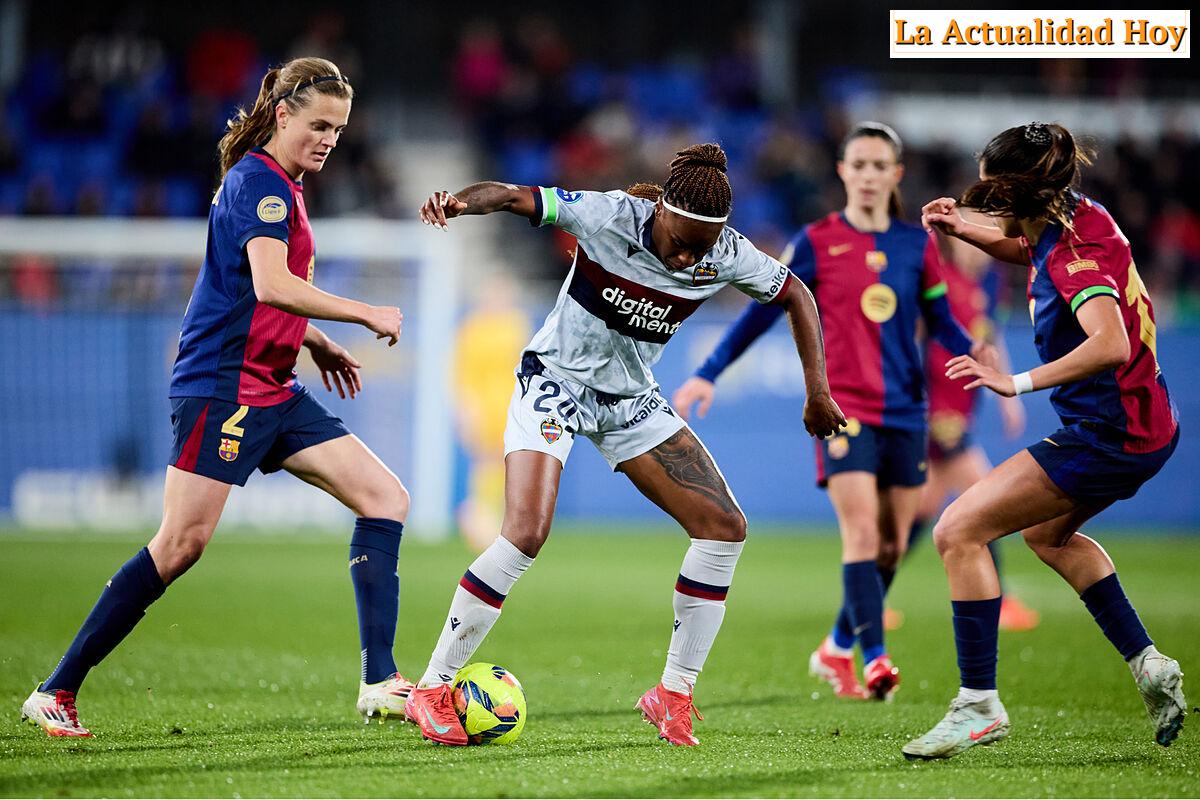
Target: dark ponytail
1032, 173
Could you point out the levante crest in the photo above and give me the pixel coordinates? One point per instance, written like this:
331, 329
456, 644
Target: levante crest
551, 430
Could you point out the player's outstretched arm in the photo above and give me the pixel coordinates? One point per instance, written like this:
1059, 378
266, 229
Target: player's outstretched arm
943, 215
1105, 348
822, 417
487, 197
275, 285
338, 368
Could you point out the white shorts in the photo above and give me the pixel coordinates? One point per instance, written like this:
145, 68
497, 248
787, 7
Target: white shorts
547, 411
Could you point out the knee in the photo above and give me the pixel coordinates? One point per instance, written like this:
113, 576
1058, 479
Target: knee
890, 553
1045, 547
527, 529
860, 539
725, 526
385, 498
175, 551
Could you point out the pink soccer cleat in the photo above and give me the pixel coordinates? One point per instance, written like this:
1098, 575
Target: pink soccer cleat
670, 712
837, 671
883, 678
433, 710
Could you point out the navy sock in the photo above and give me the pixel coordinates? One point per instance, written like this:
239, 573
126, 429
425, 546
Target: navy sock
374, 552
976, 630
863, 600
122, 603
843, 630
1115, 615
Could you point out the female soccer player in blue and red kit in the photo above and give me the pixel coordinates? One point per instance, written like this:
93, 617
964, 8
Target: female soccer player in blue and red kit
1094, 330
236, 402
874, 277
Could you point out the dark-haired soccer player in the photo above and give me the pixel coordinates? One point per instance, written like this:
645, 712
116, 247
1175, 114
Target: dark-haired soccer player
236, 402
874, 277
1094, 328
641, 268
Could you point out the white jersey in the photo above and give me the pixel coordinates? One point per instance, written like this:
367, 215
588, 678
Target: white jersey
620, 305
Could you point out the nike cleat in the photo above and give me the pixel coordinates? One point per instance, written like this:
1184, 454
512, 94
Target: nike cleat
433, 710
670, 712
883, 678
1160, 682
964, 726
54, 712
385, 699
838, 671
1016, 616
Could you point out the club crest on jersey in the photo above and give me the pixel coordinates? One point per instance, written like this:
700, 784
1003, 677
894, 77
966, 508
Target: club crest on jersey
551, 430
839, 446
876, 260
568, 196
272, 209
704, 273
229, 449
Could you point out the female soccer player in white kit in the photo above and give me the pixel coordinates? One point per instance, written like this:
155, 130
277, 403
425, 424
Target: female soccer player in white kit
640, 269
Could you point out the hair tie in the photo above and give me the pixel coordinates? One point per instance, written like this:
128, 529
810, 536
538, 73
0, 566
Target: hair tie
1037, 133
313, 82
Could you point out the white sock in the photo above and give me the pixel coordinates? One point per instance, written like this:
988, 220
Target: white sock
475, 609
699, 604
977, 695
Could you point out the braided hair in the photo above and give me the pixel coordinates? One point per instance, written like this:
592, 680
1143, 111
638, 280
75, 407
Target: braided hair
1033, 170
645, 190
697, 181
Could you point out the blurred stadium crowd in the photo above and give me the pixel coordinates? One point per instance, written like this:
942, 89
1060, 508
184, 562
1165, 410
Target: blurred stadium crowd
115, 125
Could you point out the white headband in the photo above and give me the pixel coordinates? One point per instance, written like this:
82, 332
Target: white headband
690, 215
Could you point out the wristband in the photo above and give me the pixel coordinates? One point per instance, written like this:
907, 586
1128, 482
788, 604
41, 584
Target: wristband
1023, 383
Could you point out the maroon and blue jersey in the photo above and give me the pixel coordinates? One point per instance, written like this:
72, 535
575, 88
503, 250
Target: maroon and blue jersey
871, 289
231, 346
1129, 404
972, 304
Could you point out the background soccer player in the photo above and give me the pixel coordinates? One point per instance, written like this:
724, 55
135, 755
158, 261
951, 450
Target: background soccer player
1094, 329
236, 402
955, 460
874, 277
641, 268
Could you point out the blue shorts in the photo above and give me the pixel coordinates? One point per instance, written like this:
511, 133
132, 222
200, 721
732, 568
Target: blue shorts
226, 441
1092, 471
940, 451
895, 456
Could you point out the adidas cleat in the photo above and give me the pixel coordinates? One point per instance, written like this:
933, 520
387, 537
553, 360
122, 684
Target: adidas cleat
838, 671
882, 677
1160, 682
670, 712
432, 709
965, 725
54, 712
384, 699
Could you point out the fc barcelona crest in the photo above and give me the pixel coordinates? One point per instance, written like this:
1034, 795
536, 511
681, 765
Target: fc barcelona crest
876, 260
551, 430
229, 449
704, 273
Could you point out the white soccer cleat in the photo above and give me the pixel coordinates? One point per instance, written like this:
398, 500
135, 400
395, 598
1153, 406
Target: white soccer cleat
385, 699
965, 725
1160, 682
53, 712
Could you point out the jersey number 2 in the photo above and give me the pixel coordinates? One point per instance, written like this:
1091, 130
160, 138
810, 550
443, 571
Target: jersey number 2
231, 427
551, 390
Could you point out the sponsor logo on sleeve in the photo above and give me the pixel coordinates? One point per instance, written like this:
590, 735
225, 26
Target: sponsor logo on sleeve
272, 209
1081, 265
568, 196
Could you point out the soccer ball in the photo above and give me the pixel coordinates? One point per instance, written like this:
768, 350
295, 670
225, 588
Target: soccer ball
490, 702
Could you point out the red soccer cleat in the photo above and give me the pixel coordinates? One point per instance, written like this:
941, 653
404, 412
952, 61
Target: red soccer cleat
670, 712
433, 710
1016, 616
883, 678
837, 671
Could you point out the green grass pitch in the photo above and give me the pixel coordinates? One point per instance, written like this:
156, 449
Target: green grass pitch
241, 680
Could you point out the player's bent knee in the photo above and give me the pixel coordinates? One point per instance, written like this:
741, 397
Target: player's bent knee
386, 499
727, 526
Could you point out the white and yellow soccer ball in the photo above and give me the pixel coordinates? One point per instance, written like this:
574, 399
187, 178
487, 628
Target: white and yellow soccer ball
490, 702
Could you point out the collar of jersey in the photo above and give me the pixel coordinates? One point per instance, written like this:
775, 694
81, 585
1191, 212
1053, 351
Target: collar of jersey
1046, 242
262, 152
851, 226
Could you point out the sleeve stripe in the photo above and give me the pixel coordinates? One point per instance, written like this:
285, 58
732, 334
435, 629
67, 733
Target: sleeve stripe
1088, 293
935, 291
549, 205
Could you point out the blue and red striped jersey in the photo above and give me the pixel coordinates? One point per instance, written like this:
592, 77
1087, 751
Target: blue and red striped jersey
232, 347
871, 288
1068, 268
